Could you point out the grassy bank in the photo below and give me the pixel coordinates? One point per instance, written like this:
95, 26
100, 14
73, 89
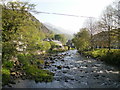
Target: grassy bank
109, 56
58, 50
26, 67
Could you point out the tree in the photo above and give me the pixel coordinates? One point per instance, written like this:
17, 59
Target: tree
13, 17
14, 14
110, 22
60, 37
92, 25
81, 40
107, 22
116, 20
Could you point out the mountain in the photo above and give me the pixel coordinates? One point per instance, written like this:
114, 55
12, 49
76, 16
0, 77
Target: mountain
58, 30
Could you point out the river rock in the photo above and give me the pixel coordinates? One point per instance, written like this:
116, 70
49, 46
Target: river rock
67, 67
13, 74
60, 57
51, 58
64, 71
12, 70
73, 79
81, 70
9, 85
82, 76
23, 73
86, 71
66, 80
103, 75
59, 67
47, 63
69, 55
12, 82
23, 78
97, 65
52, 61
96, 75
17, 62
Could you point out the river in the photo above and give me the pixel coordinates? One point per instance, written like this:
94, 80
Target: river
75, 71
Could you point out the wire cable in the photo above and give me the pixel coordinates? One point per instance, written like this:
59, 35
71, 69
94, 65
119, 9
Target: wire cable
65, 14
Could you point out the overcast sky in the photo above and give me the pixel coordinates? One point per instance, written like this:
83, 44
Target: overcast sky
71, 25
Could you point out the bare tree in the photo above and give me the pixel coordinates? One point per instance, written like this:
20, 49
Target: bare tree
92, 26
107, 22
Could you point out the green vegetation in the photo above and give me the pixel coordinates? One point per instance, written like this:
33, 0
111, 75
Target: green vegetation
22, 32
111, 57
30, 66
8, 64
22, 36
101, 38
58, 50
43, 46
82, 40
60, 37
55, 48
5, 76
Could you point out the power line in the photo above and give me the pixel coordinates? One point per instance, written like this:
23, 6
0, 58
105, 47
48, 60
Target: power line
65, 14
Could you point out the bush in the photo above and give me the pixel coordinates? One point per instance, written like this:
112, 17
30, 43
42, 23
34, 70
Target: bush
43, 46
24, 59
5, 76
39, 61
8, 64
8, 50
53, 45
32, 70
110, 57
38, 74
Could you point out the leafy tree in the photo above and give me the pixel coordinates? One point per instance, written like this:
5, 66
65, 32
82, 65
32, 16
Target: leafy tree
13, 17
60, 37
14, 14
82, 40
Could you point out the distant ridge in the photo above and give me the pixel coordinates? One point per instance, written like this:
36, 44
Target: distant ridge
58, 30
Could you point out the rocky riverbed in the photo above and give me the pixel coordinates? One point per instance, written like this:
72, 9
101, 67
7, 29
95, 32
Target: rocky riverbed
71, 70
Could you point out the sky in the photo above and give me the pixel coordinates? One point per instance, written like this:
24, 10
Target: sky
70, 25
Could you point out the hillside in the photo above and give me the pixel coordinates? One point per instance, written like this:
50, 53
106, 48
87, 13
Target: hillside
22, 41
39, 26
58, 30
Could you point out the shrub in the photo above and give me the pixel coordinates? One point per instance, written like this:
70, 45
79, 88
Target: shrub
38, 74
8, 50
43, 46
24, 59
53, 45
8, 64
32, 70
39, 61
110, 57
5, 76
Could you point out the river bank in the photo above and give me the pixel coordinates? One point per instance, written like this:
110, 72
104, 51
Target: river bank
71, 70
110, 57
